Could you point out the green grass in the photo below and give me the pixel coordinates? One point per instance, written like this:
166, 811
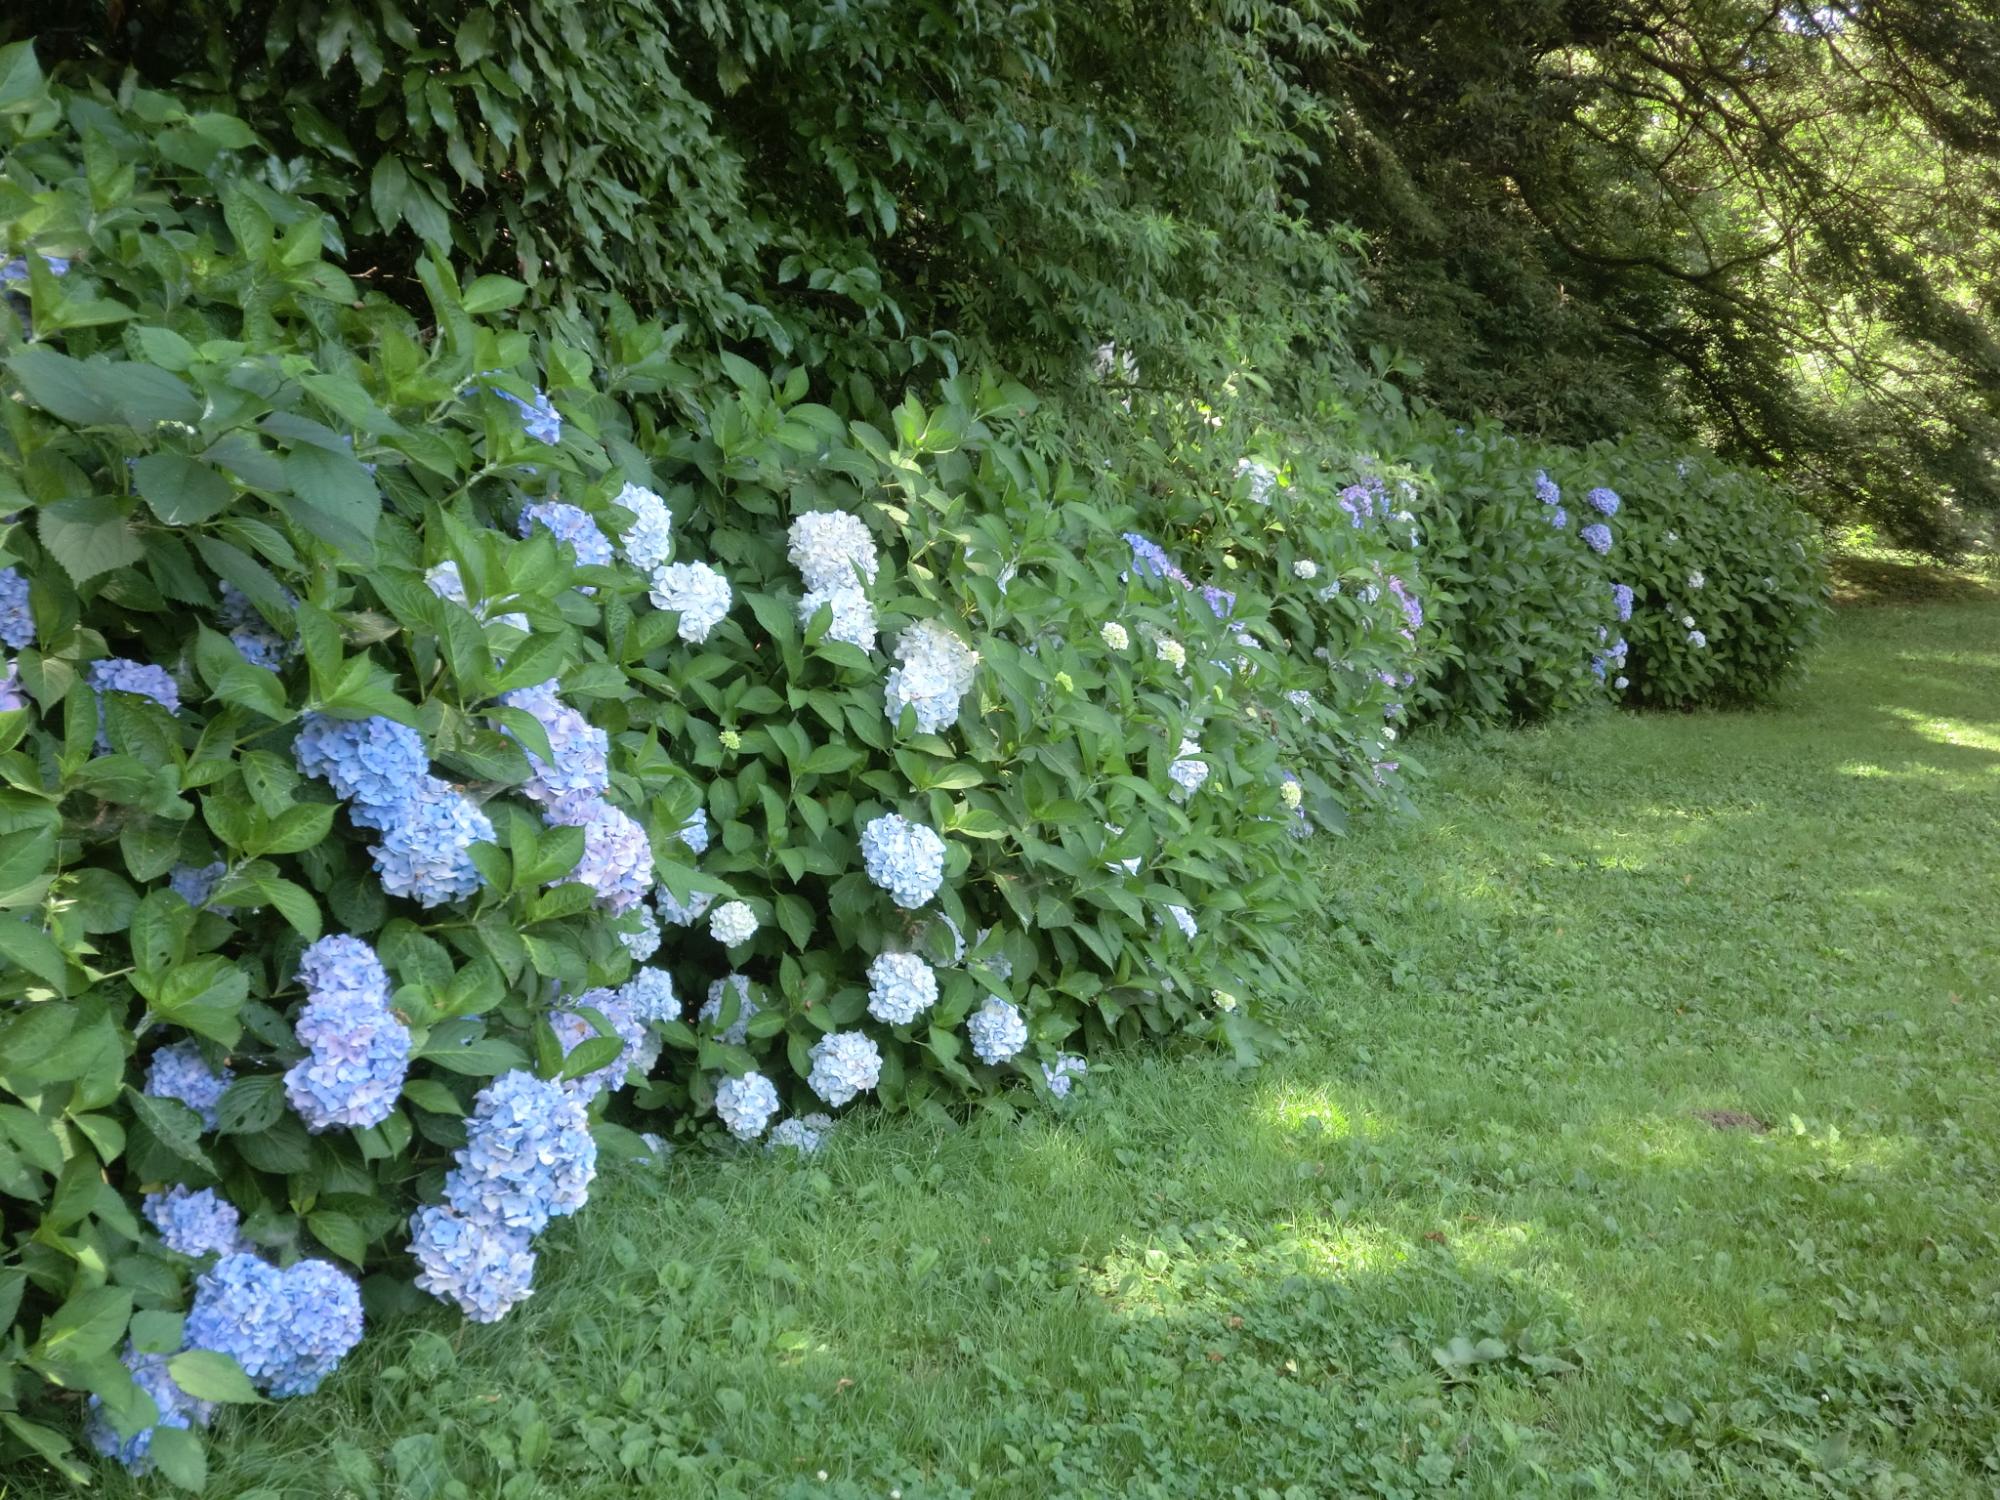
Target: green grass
1638, 1137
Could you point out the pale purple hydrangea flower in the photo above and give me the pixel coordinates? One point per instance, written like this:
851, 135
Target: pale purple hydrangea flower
580, 774
194, 1223
1606, 501
617, 858
482, 1268
1597, 537
572, 524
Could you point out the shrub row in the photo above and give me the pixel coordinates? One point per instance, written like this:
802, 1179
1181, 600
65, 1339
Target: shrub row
428, 757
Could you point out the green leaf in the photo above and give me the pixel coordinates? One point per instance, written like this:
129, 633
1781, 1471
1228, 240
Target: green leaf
62, 387
181, 491
89, 535
173, 1125
210, 1376
178, 1454
335, 499
483, 1057
28, 947
493, 293
205, 996
340, 1233
89, 1324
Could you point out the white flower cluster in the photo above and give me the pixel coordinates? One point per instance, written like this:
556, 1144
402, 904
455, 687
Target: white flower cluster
905, 859
901, 987
936, 672
1171, 651
1183, 919
1186, 773
649, 541
1113, 634
745, 1105
803, 1133
733, 924
1263, 479
1305, 568
997, 1031
695, 592
832, 550
853, 619
1696, 580
737, 1032
844, 1065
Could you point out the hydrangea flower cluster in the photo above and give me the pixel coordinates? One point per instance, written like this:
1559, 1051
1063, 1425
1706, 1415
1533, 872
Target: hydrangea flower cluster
12, 694
539, 418
844, 1064
1604, 501
805, 1134
194, 884
1697, 639
1360, 501
1305, 569
194, 1224
1150, 560
1621, 597
1598, 537
617, 858
649, 994
638, 932
358, 1052
1187, 773
905, 859
1263, 479
1061, 1075
737, 1032
852, 619
694, 832
640, 1051
17, 621
1170, 651
733, 924
428, 827
695, 592
1221, 603
116, 674
581, 771
745, 1105
181, 1072
1183, 919
901, 987
483, 1268
1546, 489
528, 1155
1412, 607
569, 523
649, 541
832, 549
289, 1329
1697, 580
936, 672
446, 582
998, 1033
149, 1372
1559, 518
674, 913
1114, 635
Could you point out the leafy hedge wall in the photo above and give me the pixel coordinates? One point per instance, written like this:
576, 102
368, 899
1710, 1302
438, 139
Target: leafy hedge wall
382, 685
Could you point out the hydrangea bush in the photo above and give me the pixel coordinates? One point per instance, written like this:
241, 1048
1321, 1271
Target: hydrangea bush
411, 726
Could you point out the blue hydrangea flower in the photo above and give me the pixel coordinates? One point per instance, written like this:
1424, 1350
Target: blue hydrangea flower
805, 1134
1360, 500
175, 1406
901, 987
375, 762
745, 1105
483, 1269
1559, 518
1150, 560
844, 1064
638, 932
17, 269
997, 1031
1413, 609
649, 540
617, 858
288, 1329
344, 966
737, 1032
1221, 603
528, 1155
567, 523
1606, 501
116, 674
649, 995
17, 621
260, 647
695, 832
12, 695
425, 850
671, 911
1546, 489
640, 1051
539, 418
1061, 1075
180, 1072
194, 884
194, 1223
1598, 537
904, 858
446, 582
353, 1073
580, 773
1621, 596
1187, 773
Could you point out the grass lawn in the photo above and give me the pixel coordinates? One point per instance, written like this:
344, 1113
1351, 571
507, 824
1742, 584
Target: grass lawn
1640, 1135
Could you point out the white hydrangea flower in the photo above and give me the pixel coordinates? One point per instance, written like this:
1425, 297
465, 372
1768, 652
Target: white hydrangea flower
649, 541
1263, 479
1687, 622
1672, 537
853, 616
830, 548
1183, 919
803, 1133
1186, 773
1622, 683
745, 1105
1291, 794
1170, 651
901, 987
1300, 699
1305, 568
935, 673
733, 924
1222, 999
844, 1064
737, 1032
1129, 866
1113, 635
905, 859
1697, 580
1697, 639
694, 591
998, 1033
